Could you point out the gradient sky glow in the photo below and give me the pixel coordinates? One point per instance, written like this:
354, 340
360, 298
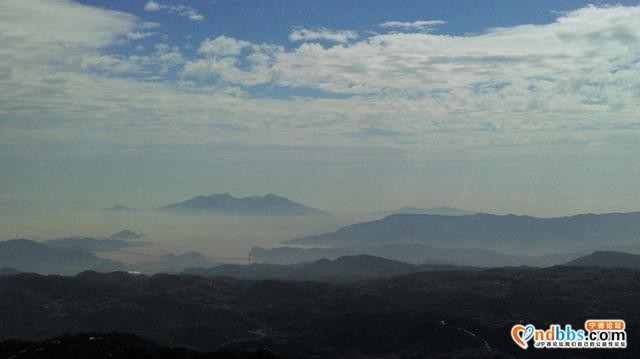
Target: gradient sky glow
528, 107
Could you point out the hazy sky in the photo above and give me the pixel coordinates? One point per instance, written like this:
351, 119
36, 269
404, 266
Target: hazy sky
501, 106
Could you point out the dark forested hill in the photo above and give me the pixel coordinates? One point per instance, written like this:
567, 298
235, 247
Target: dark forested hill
428, 314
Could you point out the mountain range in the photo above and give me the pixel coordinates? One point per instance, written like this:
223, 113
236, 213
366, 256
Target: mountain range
343, 268
267, 205
505, 233
411, 253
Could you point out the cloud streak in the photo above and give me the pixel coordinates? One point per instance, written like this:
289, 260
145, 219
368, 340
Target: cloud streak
303, 34
420, 25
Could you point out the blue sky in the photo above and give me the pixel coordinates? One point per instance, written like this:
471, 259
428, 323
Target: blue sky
272, 21
501, 106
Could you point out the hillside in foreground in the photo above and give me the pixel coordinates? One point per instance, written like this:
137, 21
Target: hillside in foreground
428, 314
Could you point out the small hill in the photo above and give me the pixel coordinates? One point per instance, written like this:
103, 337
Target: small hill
609, 259
126, 234
293, 255
355, 267
267, 205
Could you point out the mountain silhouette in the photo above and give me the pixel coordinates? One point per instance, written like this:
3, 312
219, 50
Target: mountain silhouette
507, 233
343, 268
126, 234
267, 205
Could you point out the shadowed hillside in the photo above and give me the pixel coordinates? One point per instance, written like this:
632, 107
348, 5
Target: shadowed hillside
427, 314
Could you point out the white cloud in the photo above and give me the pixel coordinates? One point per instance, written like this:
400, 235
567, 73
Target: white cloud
113, 64
222, 46
507, 91
152, 6
420, 25
222, 61
304, 34
149, 25
37, 28
182, 10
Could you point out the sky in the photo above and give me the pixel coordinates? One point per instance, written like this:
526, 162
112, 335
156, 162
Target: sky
526, 107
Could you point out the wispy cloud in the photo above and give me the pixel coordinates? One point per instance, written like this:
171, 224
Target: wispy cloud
321, 33
420, 25
182, 10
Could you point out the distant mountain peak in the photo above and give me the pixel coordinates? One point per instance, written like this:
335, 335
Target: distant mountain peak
268, 205
126, 234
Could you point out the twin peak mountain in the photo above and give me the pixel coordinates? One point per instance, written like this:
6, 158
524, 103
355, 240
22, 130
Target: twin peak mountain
267, 205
